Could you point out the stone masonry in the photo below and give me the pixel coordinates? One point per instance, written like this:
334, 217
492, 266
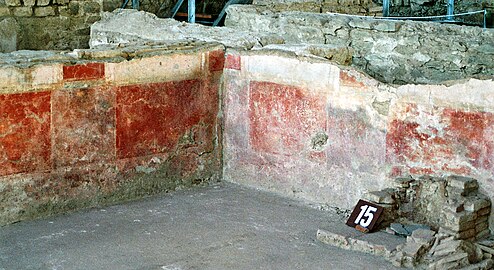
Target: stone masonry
397, 52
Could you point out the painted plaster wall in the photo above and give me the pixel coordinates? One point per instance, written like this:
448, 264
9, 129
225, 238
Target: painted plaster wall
106, 126
307, 128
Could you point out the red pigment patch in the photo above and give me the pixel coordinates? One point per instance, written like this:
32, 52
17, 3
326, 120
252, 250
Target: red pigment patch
283, 118
151, 118
216, 60
233, 62
25, 132
473, 131
83, 126
81, 72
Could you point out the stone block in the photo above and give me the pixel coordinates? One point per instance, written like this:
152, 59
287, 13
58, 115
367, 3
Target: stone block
483, 234
23, 11
44, 11
29, 3
9, 30
403, 182
477, 203
13, 3
484, 211
447, 248
481, 226
90, 7
4, 11
453, 261
423, 236
466, 184
332, 239
61, 2
42, 3
380, 197
471, 233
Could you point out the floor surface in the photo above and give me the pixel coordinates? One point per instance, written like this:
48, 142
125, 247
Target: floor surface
224, 226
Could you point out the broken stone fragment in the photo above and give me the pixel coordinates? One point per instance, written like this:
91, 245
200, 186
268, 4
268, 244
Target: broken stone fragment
453, 261
477, 204
422, 236
403, 182
467, 185
381, 196
406, 230
486, 264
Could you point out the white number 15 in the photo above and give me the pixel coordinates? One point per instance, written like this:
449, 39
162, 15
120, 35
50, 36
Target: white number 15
365, 216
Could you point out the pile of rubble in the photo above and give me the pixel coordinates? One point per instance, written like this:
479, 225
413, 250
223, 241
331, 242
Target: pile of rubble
458, 215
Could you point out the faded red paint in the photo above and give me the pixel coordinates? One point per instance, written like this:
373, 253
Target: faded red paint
474, 132
151, 118
348, 80
25, 132
464, 137
233, 62
421, 171
88, 71
283, 118
216, 60
83, 126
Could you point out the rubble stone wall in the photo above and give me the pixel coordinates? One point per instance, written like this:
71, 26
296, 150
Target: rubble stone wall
101, 126
396, 52
53, 24
310, 129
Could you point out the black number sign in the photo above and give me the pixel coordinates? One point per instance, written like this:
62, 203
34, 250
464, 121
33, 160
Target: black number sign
365, 214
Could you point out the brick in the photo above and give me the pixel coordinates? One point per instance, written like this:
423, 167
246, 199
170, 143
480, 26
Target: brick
463, 183
476, 204
89, 71
484, 211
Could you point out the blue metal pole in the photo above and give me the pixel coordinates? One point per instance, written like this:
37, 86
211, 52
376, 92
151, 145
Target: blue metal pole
135, 4
385, 8
192, 11
451, 9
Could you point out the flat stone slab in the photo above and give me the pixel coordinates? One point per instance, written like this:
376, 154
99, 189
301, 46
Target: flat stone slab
376, 243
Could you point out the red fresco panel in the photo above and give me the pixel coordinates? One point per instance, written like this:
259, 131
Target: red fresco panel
283, 118
83, 126
151, 118
84, 71
216, 60
233, 62
25, 144
428, 149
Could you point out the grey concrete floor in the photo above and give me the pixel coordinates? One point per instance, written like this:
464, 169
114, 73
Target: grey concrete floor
224, 226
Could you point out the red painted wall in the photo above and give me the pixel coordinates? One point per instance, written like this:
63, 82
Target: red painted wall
90, 133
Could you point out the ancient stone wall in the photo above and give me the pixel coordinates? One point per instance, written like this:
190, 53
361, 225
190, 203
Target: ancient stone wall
396, 52
414, 8
54, 24
316, 131
92, 127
